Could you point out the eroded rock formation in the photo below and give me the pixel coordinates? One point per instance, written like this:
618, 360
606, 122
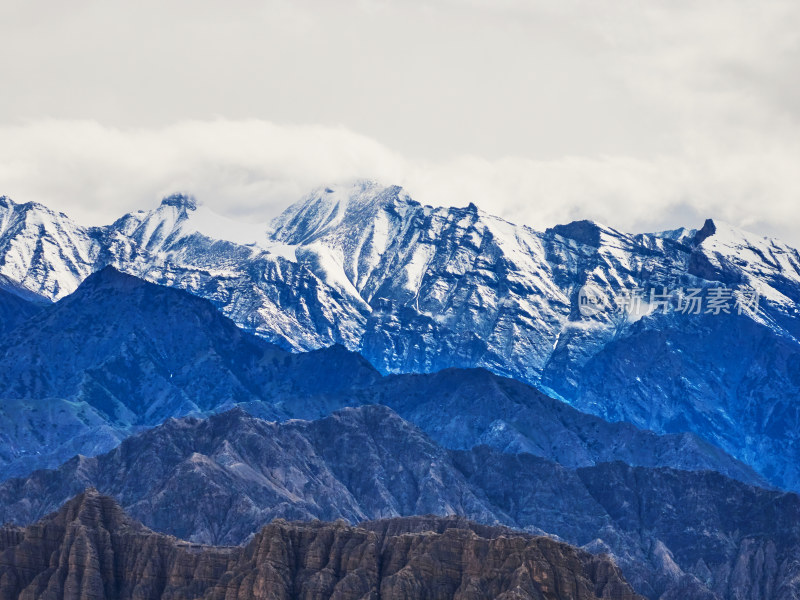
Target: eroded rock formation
90, 549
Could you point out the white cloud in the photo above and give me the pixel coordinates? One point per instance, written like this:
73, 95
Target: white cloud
253, 169
643, 115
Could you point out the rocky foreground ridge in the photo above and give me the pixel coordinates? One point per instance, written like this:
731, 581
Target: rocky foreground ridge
90, 549
218, 481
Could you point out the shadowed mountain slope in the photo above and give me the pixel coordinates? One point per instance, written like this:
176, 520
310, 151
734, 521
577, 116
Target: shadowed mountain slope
122, 354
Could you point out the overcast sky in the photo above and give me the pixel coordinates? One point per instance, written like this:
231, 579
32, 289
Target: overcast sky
643, 115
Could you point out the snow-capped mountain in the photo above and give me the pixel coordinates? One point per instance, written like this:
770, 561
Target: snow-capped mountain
454, 286
417, 289
43, 251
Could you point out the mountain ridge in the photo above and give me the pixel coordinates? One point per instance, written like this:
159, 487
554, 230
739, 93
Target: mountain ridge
100, 365
417, 289
219, 480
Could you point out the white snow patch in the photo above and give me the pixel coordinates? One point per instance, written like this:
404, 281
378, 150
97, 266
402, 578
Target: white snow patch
287, 251
416, 267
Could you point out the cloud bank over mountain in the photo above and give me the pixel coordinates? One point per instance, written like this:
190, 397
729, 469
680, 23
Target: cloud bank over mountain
643, 116
252, 169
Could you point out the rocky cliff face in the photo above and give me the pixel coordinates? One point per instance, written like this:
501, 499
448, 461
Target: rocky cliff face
90, 549
424, 564
739, 541
674, 533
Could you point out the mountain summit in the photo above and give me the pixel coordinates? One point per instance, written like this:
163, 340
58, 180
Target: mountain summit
180, 201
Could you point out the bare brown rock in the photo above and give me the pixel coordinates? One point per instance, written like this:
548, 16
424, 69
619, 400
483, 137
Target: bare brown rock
90, 549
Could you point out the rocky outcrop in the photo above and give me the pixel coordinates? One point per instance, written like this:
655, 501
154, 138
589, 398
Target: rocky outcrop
91, 550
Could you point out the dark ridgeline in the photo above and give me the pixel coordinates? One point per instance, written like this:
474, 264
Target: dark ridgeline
16, 306
121, 354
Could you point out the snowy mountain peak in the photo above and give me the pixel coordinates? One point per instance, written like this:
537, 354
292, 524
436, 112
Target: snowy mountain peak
42, 250
682, 235
44, 214
716, 233
720, 237
8, 203
181, 216
184, 201
327, 208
